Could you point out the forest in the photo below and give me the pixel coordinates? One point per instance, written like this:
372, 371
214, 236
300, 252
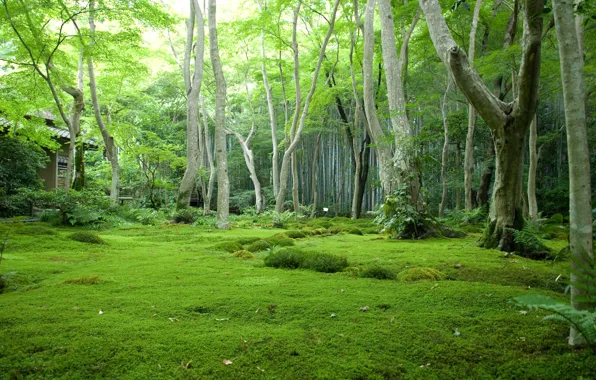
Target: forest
378, 189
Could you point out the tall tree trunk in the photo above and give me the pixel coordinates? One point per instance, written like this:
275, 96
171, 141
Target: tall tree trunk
192, 85
532, 205
74, 127
223, 182
298, 127
295, 180
313, 180
487, 174
580, 208
508, 121
79, 159
207, 141
445, 148
394, 66
457, 165
384, 151
272, 116
472, 115
111, 148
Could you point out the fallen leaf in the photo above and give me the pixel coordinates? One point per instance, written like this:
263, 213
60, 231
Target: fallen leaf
185, 366
333, 315
456, 332
100, 312
523, 312
341, 290
260, 369
226, 362
364, 308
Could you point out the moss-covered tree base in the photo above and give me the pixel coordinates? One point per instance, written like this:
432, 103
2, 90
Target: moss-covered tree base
428, 228
516, 240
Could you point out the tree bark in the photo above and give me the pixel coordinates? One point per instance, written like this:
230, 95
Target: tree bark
207, 141
74, 127
472, 115
384, 151
223, 183
111, 148
487, 174
580, 208
192, 85
272, 116
298, 127
445, 148
313, 180
508, 121
532, 204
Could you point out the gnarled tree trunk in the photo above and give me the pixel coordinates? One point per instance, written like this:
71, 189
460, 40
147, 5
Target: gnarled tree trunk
508, 121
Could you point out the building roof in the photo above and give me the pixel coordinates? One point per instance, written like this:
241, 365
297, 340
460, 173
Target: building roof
57, 131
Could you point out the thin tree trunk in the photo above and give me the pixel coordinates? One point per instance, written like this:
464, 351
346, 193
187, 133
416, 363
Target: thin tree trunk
472, 115
74, 127
457, 165
313, 180
223, 182
532, 205
296, 131
487, 174
192, 85
445, 148
111, 148
580, 208
207, 141
295, 194
272, 116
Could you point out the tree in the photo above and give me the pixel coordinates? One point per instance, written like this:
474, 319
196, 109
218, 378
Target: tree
223, 182
580, 209
192, 84
509, 122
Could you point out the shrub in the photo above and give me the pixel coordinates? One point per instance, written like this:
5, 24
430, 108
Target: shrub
84, 280
280, 219
244, 254
379, 273
324, 262
149, 217
186, 216
295, 234
420, 274
355, 231
259, 245
86, 237
288, 258
227, 246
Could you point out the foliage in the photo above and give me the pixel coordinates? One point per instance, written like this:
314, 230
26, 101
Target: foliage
86, 237
187, 215
379, 273
280, 219
475, 216
529, 245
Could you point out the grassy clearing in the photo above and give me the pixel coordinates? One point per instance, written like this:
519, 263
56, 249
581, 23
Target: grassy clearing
175, 305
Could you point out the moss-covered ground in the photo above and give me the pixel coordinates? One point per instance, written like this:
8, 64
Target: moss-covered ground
167, 303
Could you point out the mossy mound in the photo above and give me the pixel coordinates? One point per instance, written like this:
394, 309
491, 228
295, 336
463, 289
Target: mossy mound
244, 254
355, 231
295, 234
247, 240
228, 246
379, 273
259, 245
370, 231
84, 280
280, 240
87, 237
294, 258
319, 231
420, 274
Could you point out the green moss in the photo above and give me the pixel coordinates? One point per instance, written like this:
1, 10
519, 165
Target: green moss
228, 246
355, 231
244, 254
247, 240
259, 245
87, 237
35, 230
379, 273
84, 280
420, 274
280, 240
295, 234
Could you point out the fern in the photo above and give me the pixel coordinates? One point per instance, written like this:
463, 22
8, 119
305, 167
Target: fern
583, 320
